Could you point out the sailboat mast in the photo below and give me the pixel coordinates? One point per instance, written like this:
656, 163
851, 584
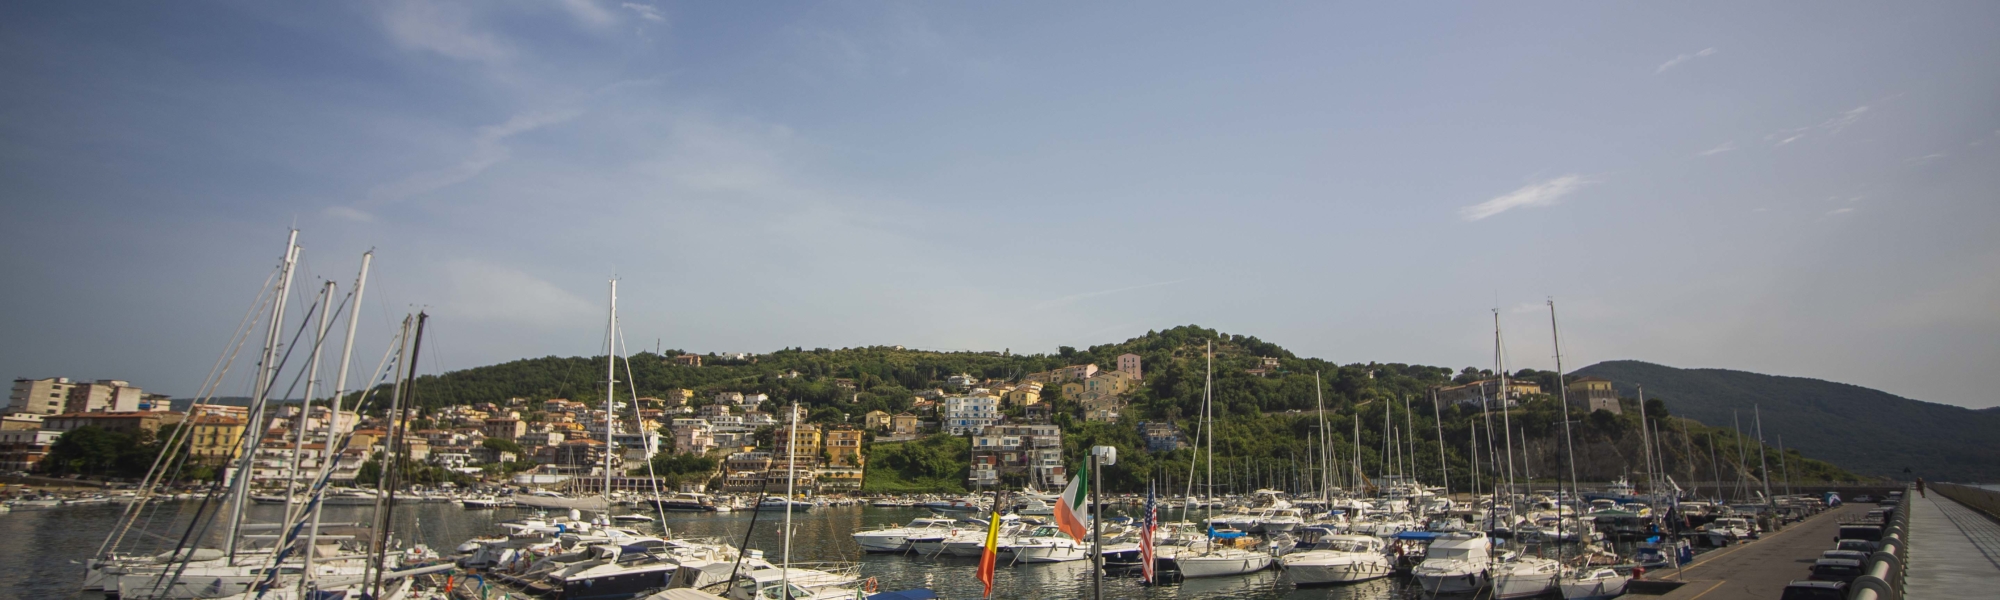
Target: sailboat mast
1555, 333
267, 374
327, 458
305, 406
791, 477
1208, 418
1646, 442
1444, 470
1506, 421
1319, 398
610, 384
1763, 468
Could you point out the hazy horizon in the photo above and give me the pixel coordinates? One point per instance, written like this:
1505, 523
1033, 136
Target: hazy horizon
1801, 190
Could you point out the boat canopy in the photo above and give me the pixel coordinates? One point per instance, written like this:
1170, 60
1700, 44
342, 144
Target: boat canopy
1418, 535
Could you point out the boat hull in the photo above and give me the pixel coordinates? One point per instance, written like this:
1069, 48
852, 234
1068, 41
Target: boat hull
1218, 566
1312, 572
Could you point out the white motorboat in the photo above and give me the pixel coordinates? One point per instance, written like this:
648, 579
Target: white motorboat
1456, 563
897, 539
1524, 577
1337, 559
779, 503
1048, 544
1218, 562
1593, 584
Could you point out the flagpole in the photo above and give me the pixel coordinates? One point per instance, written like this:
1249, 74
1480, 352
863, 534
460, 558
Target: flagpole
1096, 528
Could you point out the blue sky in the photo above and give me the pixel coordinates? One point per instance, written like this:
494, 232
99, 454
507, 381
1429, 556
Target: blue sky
1802, 189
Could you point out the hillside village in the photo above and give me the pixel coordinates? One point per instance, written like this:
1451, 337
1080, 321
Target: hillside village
987, 422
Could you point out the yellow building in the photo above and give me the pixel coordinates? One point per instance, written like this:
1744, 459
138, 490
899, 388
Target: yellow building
1024, 396
810, 439
216, 439
879, 420
843, 447
907, 424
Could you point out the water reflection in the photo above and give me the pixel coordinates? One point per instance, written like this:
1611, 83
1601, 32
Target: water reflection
42, 544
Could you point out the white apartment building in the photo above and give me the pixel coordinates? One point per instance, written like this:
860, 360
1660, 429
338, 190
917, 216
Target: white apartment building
970, 414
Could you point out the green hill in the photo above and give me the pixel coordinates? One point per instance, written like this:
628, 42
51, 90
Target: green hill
1869, 431
1265, 411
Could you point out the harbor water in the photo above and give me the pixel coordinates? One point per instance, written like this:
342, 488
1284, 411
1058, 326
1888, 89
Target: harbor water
44, 550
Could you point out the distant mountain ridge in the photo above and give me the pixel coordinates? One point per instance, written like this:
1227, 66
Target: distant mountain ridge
1868, 431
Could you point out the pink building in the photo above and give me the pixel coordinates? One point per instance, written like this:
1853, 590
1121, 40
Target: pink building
1129, 363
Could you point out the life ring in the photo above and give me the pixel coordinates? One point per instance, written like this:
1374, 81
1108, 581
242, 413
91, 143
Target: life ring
869, 586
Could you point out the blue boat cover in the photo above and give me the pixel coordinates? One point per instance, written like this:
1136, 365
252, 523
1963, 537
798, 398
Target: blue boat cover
915, 594
1418, 535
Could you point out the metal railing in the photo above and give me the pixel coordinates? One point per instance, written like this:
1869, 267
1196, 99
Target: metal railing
1882, 574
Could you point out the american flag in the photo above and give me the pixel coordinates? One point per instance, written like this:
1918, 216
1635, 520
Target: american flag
1146, 536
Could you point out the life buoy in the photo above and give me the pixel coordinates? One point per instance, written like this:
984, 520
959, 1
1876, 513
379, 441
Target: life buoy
869, 586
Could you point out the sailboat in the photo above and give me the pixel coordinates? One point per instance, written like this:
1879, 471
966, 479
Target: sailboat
1211, 560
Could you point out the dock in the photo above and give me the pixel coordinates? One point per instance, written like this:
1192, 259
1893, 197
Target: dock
1760, 569
1953, 552
1954, 549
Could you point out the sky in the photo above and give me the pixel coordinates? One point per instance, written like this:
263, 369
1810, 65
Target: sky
1798, 189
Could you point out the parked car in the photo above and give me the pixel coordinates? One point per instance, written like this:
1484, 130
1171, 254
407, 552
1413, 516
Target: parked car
1836, 569
1847, 554
1864, 498
1869, 546
1871, 533
1815, 590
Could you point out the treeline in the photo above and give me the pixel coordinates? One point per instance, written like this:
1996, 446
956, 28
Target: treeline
1265, 414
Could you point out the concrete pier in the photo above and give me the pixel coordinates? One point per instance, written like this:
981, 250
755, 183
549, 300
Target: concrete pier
1760, 569
1954, 550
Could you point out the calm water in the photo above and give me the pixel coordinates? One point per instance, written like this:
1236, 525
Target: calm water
37, 549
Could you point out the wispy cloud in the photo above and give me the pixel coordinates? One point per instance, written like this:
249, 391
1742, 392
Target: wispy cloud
1925, 158
488, 149
1072, 298
1832, 126
446, 30
349, 213
645, 11
1840, 211
1542, 193
1725, 147
1677, 60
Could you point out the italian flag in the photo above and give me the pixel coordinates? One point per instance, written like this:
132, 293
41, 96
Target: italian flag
1074, 498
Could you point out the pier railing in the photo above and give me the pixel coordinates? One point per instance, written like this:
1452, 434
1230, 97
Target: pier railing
1882, 574
1986, 501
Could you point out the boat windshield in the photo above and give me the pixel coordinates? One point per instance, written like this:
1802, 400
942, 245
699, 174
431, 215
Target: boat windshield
1348, 546
1448, 553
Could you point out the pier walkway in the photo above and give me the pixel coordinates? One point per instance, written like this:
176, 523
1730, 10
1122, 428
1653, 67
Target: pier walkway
1760, 569
1954, 550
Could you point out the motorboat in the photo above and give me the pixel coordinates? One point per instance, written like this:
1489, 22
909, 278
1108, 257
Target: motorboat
1524, 577
1217, 561
780, 504
1048, 544
1335, 558
897, 539
1035, 507
1456, 563
1593, 584
686, 502
962, 505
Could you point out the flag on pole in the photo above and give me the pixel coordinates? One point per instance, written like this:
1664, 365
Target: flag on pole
1070, 505
992, 554
1152, 523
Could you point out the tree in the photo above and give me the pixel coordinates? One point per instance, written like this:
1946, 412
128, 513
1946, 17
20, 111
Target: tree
504, 445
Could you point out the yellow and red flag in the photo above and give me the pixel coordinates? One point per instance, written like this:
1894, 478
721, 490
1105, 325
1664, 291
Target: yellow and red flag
992, 554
